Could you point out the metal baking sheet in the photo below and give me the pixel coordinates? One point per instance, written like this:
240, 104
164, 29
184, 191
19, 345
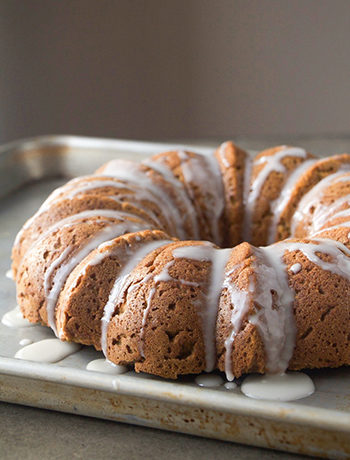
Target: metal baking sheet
317, 425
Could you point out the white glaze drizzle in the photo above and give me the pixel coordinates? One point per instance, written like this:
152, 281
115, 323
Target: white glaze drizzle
135, 192
275, 319
346, 173
204, 172
278, 206
48, 283
219, 259
47, 351
164, 276
330, 228
341, 213
325, 214
240, 300
208, 311
102, 251
71, 189
278, 387
131, 175
40, 211
72, 220
130, 171
146, 311
53, 286
75, 219
44, 207
9, 274
105, 251
77, 187
106, 367
14, 318
120, 285
217, 185
313, 197
103, 213
295, 268
272, 164
24, 342
340, 265
95, 183
222, 153
168, 175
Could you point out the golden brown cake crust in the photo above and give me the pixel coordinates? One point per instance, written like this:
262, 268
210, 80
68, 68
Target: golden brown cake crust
65, 208
81, 304
271, 190
34, 268
198, 188
313, 176
233, 163
158, 326
334, 211
321, 313
171, 195
247, 351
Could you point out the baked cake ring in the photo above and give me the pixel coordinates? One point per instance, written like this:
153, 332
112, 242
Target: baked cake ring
186, 263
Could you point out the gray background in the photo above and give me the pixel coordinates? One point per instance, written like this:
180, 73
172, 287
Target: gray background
174, 69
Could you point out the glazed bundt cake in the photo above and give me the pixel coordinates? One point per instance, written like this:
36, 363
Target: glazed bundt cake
130, 260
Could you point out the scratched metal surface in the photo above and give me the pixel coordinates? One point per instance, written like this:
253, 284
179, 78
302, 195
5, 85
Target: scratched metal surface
317, 425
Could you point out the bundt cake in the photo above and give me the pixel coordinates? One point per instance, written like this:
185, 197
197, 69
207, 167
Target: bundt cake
131, 261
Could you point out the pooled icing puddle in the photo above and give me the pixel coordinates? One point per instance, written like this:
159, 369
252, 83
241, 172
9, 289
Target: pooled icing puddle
24, 342
209, 380
214, 381
289, 386
279, 387
230, 385
14, 318
102, 365
47, 351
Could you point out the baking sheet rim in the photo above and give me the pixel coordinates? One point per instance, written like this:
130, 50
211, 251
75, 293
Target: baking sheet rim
188, 395
331, 419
